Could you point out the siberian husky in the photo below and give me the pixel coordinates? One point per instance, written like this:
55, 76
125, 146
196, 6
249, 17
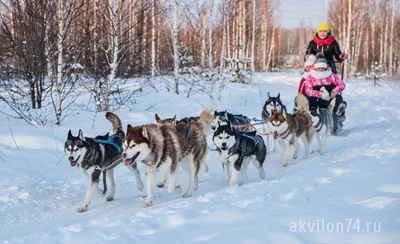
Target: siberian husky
166, 148
238, 149
271, 104
240, 121
173, 121
323, 126
288, 127
98, 155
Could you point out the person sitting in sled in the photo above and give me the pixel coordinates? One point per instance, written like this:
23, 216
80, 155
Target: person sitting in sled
322, 87
307, 67
324, 42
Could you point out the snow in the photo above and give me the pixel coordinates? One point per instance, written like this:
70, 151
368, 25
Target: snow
348, 195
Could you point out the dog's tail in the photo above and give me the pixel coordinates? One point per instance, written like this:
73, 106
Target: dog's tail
206, 118
302, 104
115, 122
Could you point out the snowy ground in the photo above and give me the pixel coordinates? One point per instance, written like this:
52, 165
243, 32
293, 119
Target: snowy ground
349, 195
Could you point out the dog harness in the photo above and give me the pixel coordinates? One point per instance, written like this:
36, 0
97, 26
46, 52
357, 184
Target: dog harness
110, 141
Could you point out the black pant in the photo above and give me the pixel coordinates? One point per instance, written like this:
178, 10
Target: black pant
315, 103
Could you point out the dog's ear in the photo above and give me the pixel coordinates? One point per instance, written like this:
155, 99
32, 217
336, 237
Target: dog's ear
128, 127
174, 120
279, 94
145, 134
268, 96
80, 135
226, 114
215, 113
69, 134
158, 119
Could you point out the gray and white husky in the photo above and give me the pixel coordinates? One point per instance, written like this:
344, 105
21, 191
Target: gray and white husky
271, 104
238, 120
237, 149
98, 155
323, 126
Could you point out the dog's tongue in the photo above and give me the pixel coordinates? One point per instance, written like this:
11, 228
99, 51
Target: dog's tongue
128, 162
275, 134
73, 163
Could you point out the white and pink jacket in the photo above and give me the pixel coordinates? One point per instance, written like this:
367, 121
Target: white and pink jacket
317, 79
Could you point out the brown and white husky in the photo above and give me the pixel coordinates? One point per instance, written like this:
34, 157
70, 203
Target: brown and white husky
168, 147
287, 128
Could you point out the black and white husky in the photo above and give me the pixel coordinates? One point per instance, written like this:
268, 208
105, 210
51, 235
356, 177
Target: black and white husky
240, 121
237, 149
99, 155
271, 104
323, 126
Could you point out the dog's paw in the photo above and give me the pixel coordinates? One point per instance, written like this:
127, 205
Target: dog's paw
304, 157
178, 189
175, 190
205, 168
82, 209
140, 187
295, 156
284, 165
186, 195
261, 174
147, 204
160, 184
109, 198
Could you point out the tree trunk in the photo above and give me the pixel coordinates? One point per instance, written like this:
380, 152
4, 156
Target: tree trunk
373, 27
221, 62
60, 62
390, 69
348, 33
153, 42
228, 30
175, 45
49, 72
114, 54
264, 28
210, 29
381, 41
386, 35
253, 37
144, 38
203, 36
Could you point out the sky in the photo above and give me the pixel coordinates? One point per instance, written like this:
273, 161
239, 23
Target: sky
291, 12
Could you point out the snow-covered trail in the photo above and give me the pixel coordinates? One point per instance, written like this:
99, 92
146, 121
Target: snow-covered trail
349, 195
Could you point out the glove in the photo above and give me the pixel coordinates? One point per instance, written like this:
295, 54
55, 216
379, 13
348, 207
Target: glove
325, 94
343, 56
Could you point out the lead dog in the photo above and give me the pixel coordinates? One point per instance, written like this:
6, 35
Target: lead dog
97, 155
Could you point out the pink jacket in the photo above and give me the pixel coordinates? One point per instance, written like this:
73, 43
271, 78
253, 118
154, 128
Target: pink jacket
316, 78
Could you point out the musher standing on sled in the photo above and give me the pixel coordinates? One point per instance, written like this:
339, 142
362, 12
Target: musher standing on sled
325, 43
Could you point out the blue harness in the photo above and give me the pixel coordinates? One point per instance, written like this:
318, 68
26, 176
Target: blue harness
110, 141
